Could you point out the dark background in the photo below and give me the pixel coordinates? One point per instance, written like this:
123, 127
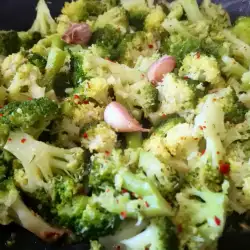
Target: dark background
19, 15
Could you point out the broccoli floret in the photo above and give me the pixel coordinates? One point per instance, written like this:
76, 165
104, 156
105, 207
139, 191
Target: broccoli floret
192, 10
10, 65
215, 13
25, 84
175, 10
179, 47
160, 234
203, 68
37, 60
43, 161
115, 17
44, 23
201, 216
154, 20
241, 29
82, 113
9, 42
29, 39
95, 245
96, 89
137, 44
101, 38
100, 138
140, 94
162, 175
155, 143
143, 63
137, 12
30, 116
14, 209
175, 96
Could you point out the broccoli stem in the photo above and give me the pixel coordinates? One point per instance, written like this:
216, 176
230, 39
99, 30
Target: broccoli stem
134, 140
34, 223
192, 10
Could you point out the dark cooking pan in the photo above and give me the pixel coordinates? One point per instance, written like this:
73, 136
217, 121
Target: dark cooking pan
19, 15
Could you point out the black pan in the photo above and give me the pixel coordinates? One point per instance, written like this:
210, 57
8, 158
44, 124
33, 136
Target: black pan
19, 15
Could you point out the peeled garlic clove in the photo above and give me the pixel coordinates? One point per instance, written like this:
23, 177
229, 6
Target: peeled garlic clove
77, 33
119, 119
157, 70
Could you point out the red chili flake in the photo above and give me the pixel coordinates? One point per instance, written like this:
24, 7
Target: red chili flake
224, 168
85, 135
9, 139
203, 152
146, 204
107, 153
179, 228
151, 46
123, 214
85, 102
1, 107
198, 55
204, 127
23, 140
124, 191
217, 221
1, 115
185, 77
30, 98
201, 127
196, 139
76, 96
217, 152
163, 115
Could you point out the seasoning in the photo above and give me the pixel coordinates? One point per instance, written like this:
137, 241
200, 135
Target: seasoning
217, 221
23, 140
224, 168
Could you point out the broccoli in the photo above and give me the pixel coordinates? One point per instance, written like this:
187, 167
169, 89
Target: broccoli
218, 17
37, 60
162, 175
86, 218
239, 49
44, 23
82, 113
160, 234
100, 138
203, 68
25, 84
96, 88
137, 12
154, 20
9, 42
10, 65
201, 216
115, 17
43, 161
175, 10
232, 68
137, 44
14, 209
101, 38
28, 39
179, 47
143, 63
241, 29
133, 140
31, 116
141, 94
95, 245
175, 96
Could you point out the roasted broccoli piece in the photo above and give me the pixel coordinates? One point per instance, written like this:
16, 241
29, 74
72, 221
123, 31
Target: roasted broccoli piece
44, 23
12, 208
201, 216
43, 161
160, 234
31, 116
28, 39
9, 42
241, 29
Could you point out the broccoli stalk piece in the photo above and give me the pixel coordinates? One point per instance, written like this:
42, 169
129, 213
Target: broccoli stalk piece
201, 216
134, 140
175, 10
44, 23
28, 39
14, 209
241, 29
160, 234
163, 176
30, 116
95, 245
43, 161
192, 10
9, 42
